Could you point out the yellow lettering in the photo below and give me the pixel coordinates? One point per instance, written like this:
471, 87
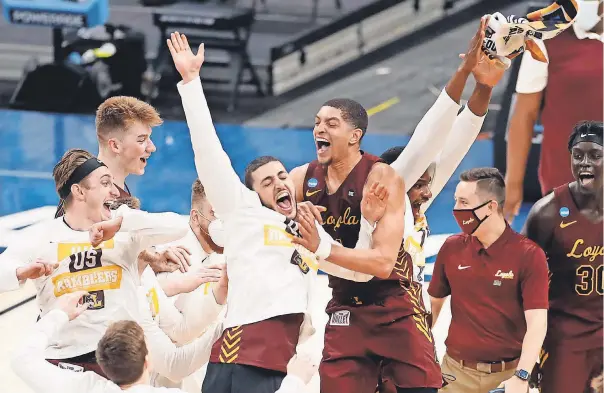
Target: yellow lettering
344, 219
590, 252
97, 279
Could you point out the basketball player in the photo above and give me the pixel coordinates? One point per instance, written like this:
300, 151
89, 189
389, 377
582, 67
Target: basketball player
567, 224
337, 180
109, 272
124, 126
270, 279
122, 354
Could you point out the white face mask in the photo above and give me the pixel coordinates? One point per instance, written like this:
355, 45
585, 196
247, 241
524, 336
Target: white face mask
216, 231
587, 16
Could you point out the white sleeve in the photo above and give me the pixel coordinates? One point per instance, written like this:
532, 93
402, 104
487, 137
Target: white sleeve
465, 129
29, 364
427, 140
223, 187
168, 360
8, 276
292, 384
364, 242
532, 76
198, 309
150, 229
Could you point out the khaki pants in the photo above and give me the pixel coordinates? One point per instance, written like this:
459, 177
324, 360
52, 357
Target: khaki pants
466, 380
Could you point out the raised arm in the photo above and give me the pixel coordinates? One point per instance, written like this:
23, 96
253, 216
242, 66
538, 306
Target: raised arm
431, 133
28, 360
223, 187
464, 131
379, 259
175, 363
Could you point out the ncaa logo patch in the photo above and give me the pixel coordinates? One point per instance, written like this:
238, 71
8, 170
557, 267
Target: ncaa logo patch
312, 182
340, 318
564, 212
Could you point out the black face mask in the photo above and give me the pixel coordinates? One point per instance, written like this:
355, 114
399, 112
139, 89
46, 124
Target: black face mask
467, 219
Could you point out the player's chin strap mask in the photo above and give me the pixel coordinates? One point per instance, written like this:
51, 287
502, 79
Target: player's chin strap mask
467, 219
79, 174
587, 136
508, 37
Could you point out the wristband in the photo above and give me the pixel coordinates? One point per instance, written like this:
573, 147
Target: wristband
324, 249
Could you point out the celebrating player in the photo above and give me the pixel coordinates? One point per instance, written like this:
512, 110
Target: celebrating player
567, 224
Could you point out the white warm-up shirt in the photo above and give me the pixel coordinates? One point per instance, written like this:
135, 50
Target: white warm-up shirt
268, 276
109, 272
42, 377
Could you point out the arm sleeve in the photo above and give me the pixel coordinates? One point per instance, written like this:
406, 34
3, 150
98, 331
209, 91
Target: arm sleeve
223, 188
364, 242
427, 141
8, 275
175, 363
29, 364
439, 284
464, 131
150, 229
533, 74
534, 285
292, 384
192, 313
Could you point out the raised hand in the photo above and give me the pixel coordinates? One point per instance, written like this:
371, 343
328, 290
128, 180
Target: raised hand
72, 304
472, 56
375, 200
187, 64
36, 269
488, 72
314, 210
169, 260
308, 230
104, 230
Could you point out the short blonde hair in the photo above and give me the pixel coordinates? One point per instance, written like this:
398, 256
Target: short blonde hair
72, 159
119, 113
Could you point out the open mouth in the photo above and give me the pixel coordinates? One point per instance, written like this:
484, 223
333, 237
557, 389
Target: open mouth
586, 178
322, 145
107, 205
144, 160
284, 201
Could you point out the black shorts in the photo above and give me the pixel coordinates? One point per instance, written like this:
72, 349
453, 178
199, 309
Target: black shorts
240, 378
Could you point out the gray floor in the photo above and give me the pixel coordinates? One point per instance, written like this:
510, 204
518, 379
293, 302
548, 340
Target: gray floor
415, 77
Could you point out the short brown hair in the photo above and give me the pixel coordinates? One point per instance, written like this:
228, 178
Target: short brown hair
488, 181
121, 352
198, 193
68, 163
119, 113
253, 166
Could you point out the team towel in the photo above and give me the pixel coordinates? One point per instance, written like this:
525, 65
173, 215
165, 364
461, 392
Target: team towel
507, 37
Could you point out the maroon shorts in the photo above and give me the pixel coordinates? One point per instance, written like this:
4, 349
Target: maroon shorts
82, 363
371, 341
564, 370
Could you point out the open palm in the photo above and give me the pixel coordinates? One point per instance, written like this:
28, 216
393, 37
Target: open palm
488, 71
187, 64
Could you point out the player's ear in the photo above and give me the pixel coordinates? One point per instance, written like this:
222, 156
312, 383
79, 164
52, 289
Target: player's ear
114, 145
355, 136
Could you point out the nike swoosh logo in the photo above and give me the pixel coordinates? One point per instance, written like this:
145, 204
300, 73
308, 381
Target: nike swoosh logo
463, 267
564, 225
309, 194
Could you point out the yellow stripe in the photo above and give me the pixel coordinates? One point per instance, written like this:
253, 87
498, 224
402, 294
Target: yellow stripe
383, 106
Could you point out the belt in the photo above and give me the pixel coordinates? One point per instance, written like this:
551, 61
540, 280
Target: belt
487, 367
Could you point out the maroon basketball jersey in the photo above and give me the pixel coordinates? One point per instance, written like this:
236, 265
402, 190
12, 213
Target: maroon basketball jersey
575, 256
342, 220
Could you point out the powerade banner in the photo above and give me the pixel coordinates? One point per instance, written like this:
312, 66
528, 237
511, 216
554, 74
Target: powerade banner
47, 18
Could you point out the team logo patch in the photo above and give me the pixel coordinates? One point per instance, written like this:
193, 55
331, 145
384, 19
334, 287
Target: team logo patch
564, 211
299, 261
505, 275
312, 182
340, 318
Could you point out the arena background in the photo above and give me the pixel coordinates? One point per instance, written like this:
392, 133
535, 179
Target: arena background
398, 83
